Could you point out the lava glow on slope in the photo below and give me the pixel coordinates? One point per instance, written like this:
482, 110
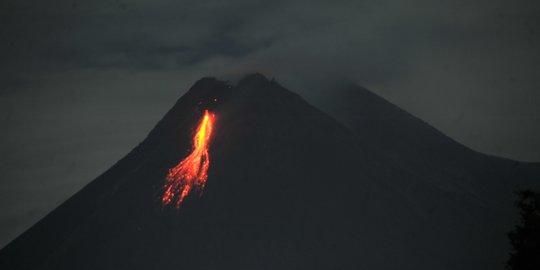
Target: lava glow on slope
191, 173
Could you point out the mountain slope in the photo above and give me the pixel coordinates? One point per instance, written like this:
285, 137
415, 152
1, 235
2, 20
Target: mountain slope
433, 159
288, 187
409, 141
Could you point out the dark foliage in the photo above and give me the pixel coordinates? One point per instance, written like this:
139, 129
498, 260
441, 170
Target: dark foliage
525, 238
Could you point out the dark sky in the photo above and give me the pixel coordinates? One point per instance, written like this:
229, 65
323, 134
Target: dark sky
81, 83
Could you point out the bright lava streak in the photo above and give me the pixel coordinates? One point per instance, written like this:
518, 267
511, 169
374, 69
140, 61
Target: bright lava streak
192, 172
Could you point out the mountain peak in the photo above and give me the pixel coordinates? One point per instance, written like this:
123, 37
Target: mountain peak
206, 86
254, 79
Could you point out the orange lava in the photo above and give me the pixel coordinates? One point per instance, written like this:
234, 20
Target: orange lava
192, 172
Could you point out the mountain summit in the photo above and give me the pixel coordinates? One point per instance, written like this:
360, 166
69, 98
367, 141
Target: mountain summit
288, 187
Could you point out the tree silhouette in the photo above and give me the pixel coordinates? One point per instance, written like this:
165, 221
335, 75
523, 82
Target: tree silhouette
525, 238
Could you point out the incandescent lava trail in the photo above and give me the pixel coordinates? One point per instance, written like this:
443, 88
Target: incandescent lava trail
191, 173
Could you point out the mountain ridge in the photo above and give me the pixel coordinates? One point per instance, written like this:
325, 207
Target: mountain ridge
289, 186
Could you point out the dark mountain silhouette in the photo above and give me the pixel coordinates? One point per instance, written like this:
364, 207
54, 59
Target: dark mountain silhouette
424, 151
288, 187
431, 159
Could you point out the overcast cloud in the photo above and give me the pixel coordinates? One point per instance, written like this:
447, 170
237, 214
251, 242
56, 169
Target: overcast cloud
82, 82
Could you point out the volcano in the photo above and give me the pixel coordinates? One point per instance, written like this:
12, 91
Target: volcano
360, 184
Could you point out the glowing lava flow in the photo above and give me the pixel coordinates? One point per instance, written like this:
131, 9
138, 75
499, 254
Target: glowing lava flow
191, 173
